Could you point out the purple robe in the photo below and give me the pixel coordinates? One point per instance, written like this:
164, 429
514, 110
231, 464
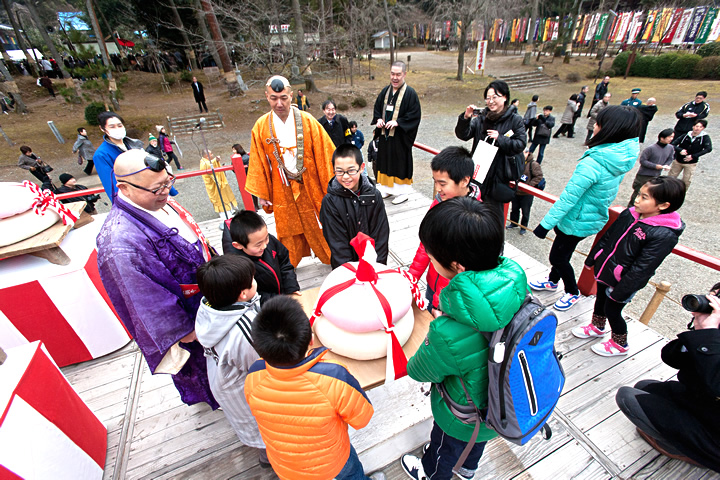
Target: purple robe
142, 264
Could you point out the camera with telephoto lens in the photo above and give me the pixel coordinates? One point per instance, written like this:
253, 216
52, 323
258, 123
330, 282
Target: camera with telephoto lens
697, 303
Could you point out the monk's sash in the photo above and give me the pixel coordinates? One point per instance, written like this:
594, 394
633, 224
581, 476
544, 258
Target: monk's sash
286, 174
396, 108
192, 224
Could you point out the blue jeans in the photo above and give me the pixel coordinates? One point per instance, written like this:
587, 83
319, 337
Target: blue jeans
444, 451
541, 153
353, 469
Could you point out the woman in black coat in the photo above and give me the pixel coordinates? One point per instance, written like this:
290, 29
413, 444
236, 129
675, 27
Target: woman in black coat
498, 124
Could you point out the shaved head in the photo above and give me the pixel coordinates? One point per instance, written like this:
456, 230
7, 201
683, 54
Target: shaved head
129, 162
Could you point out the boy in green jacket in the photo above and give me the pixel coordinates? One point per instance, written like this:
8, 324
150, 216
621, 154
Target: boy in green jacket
484, 293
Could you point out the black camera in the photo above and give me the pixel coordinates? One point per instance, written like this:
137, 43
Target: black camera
697, 303
477, 111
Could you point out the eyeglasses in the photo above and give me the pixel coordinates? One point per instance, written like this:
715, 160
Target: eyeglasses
155, 191
493, 98
351, 172
152, 163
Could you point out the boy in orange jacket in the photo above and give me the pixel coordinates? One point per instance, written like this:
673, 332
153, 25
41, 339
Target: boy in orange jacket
302, 403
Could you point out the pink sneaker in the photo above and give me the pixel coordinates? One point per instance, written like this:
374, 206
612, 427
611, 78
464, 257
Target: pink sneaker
610, 349
589, 331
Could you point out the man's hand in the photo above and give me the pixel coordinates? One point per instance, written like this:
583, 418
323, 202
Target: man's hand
190, 337
437, 313
683, 152
709, 320
391, 124
380, 123
32, 169
264, 203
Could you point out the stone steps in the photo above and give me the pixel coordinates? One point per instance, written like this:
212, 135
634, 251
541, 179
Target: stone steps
529, 80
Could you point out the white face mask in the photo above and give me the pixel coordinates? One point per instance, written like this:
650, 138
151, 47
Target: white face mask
117, 133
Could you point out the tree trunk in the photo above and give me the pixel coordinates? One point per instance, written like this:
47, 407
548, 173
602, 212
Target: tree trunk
323, 31
200, 16
390, 33
12, 87
110, 30
188, 46
461, 50
230, 78
301, 48
103, 52
34, 70
531, 40
51, 46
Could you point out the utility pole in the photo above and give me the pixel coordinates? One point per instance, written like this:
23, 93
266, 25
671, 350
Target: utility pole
53, 51
229, 73
189, 51
103, 53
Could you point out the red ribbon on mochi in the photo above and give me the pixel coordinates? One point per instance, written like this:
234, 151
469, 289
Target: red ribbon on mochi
45, 199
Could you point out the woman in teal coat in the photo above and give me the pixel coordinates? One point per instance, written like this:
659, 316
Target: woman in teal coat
582, 209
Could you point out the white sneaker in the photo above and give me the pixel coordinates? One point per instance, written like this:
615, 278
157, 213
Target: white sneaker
610, 349
566, 302
412, 465
589, 331
400, 199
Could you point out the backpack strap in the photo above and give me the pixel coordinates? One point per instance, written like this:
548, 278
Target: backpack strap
466, 451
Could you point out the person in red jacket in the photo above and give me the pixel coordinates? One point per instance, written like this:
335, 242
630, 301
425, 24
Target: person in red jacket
303, 404
452, 171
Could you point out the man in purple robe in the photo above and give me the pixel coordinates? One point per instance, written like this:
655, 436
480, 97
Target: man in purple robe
148, 251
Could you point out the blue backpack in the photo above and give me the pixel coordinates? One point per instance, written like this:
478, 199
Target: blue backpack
525, 379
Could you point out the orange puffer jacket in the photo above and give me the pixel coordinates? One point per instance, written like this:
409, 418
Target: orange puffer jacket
303, 413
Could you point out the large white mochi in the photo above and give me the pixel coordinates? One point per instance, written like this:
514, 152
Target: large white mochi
24, 225
351, 322
14, 199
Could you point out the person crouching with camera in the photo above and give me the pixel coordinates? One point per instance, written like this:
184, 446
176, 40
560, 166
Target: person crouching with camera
681, 418
69, 184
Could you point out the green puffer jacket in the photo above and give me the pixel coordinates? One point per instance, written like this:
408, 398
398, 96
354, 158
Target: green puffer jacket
582, 209
473, 302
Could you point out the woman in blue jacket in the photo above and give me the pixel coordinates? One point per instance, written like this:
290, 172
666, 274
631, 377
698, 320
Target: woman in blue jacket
582, 209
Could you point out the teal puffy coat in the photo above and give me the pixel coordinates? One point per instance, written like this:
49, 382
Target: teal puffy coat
473, 302
582, 209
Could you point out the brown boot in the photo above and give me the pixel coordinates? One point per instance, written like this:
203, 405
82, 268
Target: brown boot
654, 443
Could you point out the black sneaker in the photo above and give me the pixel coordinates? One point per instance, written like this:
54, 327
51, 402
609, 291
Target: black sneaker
412, 465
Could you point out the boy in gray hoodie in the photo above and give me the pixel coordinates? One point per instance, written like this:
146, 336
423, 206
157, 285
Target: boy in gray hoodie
223, 327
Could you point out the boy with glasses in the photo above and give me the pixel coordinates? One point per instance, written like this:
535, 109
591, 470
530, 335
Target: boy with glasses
352, 205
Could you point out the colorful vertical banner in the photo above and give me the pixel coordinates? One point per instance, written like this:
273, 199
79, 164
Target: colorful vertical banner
662, 23
555, 28
715, 29
602, 22
704, 31
648, 28
481, 55
636, 25
695, 23
672, 26
622, 27
592, 28
682, 27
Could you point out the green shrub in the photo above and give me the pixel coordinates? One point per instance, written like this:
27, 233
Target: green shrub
359, 102
343, 107
709, 50
573, 77
620, 63
170, 79
92, 111
707, 67
661, 66
684, 66
186, 76
642, 65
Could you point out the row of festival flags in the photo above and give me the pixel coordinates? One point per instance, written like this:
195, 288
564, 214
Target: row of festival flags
695, 25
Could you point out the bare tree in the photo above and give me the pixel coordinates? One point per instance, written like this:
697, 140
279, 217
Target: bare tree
229, 71
21, 42
305, 70
103, 52
189, 51
390, 32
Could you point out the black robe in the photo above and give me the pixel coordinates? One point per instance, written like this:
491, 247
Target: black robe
394, 158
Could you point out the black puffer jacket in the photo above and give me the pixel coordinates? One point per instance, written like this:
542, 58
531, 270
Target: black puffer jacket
509, 144
345, 213
627, 256
696, 146
274, 273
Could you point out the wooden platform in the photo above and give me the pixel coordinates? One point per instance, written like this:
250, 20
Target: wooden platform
152, 434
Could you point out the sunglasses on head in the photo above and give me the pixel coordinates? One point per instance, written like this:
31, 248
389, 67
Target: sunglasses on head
152, 163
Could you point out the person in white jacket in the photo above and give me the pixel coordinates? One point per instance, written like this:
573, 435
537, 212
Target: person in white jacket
223, 327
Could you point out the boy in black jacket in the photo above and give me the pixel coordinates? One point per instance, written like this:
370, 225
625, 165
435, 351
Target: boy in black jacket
352, 205
247, 234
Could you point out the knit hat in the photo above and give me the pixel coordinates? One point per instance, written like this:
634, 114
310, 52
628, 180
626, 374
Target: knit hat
152, 137
158, 128
65, 177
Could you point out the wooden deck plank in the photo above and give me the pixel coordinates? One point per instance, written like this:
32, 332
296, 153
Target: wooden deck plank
569, 461
661, 467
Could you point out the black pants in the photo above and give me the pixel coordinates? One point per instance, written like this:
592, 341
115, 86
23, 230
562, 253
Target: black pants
89, 167
589, 136
564, 128
529, 132
571, 130
444, 451
172, 156
560, 254
201, 105
521, 203
606, 307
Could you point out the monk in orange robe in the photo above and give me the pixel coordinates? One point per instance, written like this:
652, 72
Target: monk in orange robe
289, 171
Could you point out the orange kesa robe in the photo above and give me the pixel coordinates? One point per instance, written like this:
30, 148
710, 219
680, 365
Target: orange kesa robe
296, 207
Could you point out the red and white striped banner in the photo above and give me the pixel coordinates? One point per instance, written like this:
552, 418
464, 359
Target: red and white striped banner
46, 430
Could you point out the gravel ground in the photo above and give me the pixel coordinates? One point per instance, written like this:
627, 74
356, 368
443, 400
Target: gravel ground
700, 211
